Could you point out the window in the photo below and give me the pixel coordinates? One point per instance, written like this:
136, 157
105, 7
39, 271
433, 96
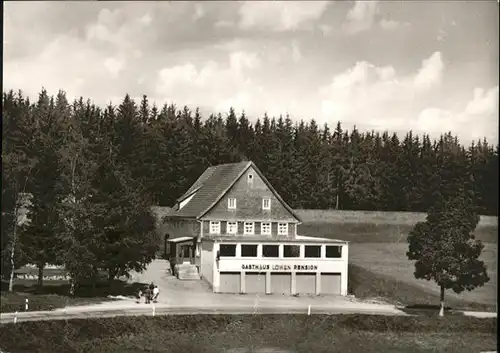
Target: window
312, 251
232, 227
231, 203
266, 204
291, 250
282, 228
228, 250
248, 250
250, 179
249, 228
333, 251
214, 227
270, 250
265, 228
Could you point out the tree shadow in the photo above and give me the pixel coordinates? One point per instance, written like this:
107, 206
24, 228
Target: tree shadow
100, 289
428, 310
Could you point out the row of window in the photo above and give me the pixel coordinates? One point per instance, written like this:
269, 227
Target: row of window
266, 204
248, 228
289, 251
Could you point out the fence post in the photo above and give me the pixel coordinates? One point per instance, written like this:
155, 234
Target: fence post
153, 310
15, 317
26, 305
309, 310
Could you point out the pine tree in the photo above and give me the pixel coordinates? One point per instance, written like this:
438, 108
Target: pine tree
232, 135
39, 237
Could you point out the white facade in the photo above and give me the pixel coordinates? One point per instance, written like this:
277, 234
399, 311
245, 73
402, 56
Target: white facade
256, 272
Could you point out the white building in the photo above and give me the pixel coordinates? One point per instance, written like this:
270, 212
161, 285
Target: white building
232, 229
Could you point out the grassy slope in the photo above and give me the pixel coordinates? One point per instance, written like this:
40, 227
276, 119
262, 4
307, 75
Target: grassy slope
390, 259
378, 232
367, 284
380, 250
225, 333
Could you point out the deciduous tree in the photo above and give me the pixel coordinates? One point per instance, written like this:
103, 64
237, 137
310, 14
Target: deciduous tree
444, 248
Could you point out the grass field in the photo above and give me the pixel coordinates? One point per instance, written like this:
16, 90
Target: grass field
378, 232
379, 250
253, 333
390, 259
373, 217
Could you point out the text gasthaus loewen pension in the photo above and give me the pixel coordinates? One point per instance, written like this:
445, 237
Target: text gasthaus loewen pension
266, 267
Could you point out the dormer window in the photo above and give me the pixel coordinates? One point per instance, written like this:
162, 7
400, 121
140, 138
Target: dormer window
266, 204
231, 203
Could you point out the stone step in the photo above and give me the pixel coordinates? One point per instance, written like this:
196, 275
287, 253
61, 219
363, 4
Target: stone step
188, 272
190, 275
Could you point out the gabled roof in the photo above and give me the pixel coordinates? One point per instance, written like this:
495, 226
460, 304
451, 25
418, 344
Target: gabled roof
212, 185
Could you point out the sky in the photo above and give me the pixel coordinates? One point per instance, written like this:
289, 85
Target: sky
426, 66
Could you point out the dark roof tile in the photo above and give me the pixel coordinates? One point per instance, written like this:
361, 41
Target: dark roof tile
211, 186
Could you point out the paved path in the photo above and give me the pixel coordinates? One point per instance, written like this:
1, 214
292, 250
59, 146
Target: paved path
127, 309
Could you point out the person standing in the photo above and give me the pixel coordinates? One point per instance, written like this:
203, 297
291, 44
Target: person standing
138, 296
156, 292
147, 294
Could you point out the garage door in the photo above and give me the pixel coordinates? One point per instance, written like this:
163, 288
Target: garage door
229, 282
255, 283
305, 283
281, 283
330, 283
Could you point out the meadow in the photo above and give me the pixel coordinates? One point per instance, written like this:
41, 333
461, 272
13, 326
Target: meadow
253, 333
377, 253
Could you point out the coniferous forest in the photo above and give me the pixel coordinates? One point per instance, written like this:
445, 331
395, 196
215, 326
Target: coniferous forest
164, 149
93, 172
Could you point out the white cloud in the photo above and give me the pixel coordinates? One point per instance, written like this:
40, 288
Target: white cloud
146, 19
361, 16
213, 84
296, 53
114, 66
199, 12
430, 73
224, 24
30, 78
478, 119
377, 94
121, 34
326, 29
391, 25
279, 15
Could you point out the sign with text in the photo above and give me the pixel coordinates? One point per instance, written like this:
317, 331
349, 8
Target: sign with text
278, 267
285, 265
